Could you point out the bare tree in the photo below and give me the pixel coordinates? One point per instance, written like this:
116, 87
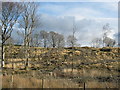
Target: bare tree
60, 40
10, 14
71, 40
53, 39
35, 40
44, 37
96, 42
10, 41
106, 30
74, 30
28, 22
56, 39
109, 42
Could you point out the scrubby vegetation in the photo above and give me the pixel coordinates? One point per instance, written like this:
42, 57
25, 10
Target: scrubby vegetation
62, 67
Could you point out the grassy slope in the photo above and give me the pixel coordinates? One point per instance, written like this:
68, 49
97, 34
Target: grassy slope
90, 65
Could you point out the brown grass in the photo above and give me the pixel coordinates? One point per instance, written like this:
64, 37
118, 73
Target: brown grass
21, 82
96, 84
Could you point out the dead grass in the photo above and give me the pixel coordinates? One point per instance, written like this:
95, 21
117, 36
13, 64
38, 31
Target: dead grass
20, 82
47, 55
96, 84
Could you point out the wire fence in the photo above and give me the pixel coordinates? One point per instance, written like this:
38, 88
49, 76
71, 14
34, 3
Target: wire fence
62, 65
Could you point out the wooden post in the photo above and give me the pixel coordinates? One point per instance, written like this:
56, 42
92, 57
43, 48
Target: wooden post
84, 85
12, 80
42, 83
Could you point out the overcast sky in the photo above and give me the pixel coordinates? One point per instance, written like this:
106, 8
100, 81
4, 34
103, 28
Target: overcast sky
89, 18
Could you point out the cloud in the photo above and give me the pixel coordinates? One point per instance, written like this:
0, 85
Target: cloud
80, 10
112, 6
81, 13
86, 29
89, 19
57, 24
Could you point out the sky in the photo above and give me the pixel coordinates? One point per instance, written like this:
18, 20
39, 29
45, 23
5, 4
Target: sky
89, 18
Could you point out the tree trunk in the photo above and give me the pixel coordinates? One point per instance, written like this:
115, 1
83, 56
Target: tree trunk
3, 56
26, 47
45, 44
26, 64
26, 57
54, 45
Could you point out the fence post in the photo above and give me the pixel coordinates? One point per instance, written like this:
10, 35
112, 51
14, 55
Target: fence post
42, 83
84, 85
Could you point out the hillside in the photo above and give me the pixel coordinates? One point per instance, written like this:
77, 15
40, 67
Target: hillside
81, 64
51, 56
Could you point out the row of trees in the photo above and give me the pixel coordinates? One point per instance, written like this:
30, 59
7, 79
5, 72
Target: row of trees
48, 39
52, 39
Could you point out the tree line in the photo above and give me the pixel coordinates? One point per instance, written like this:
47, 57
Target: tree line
51, 39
